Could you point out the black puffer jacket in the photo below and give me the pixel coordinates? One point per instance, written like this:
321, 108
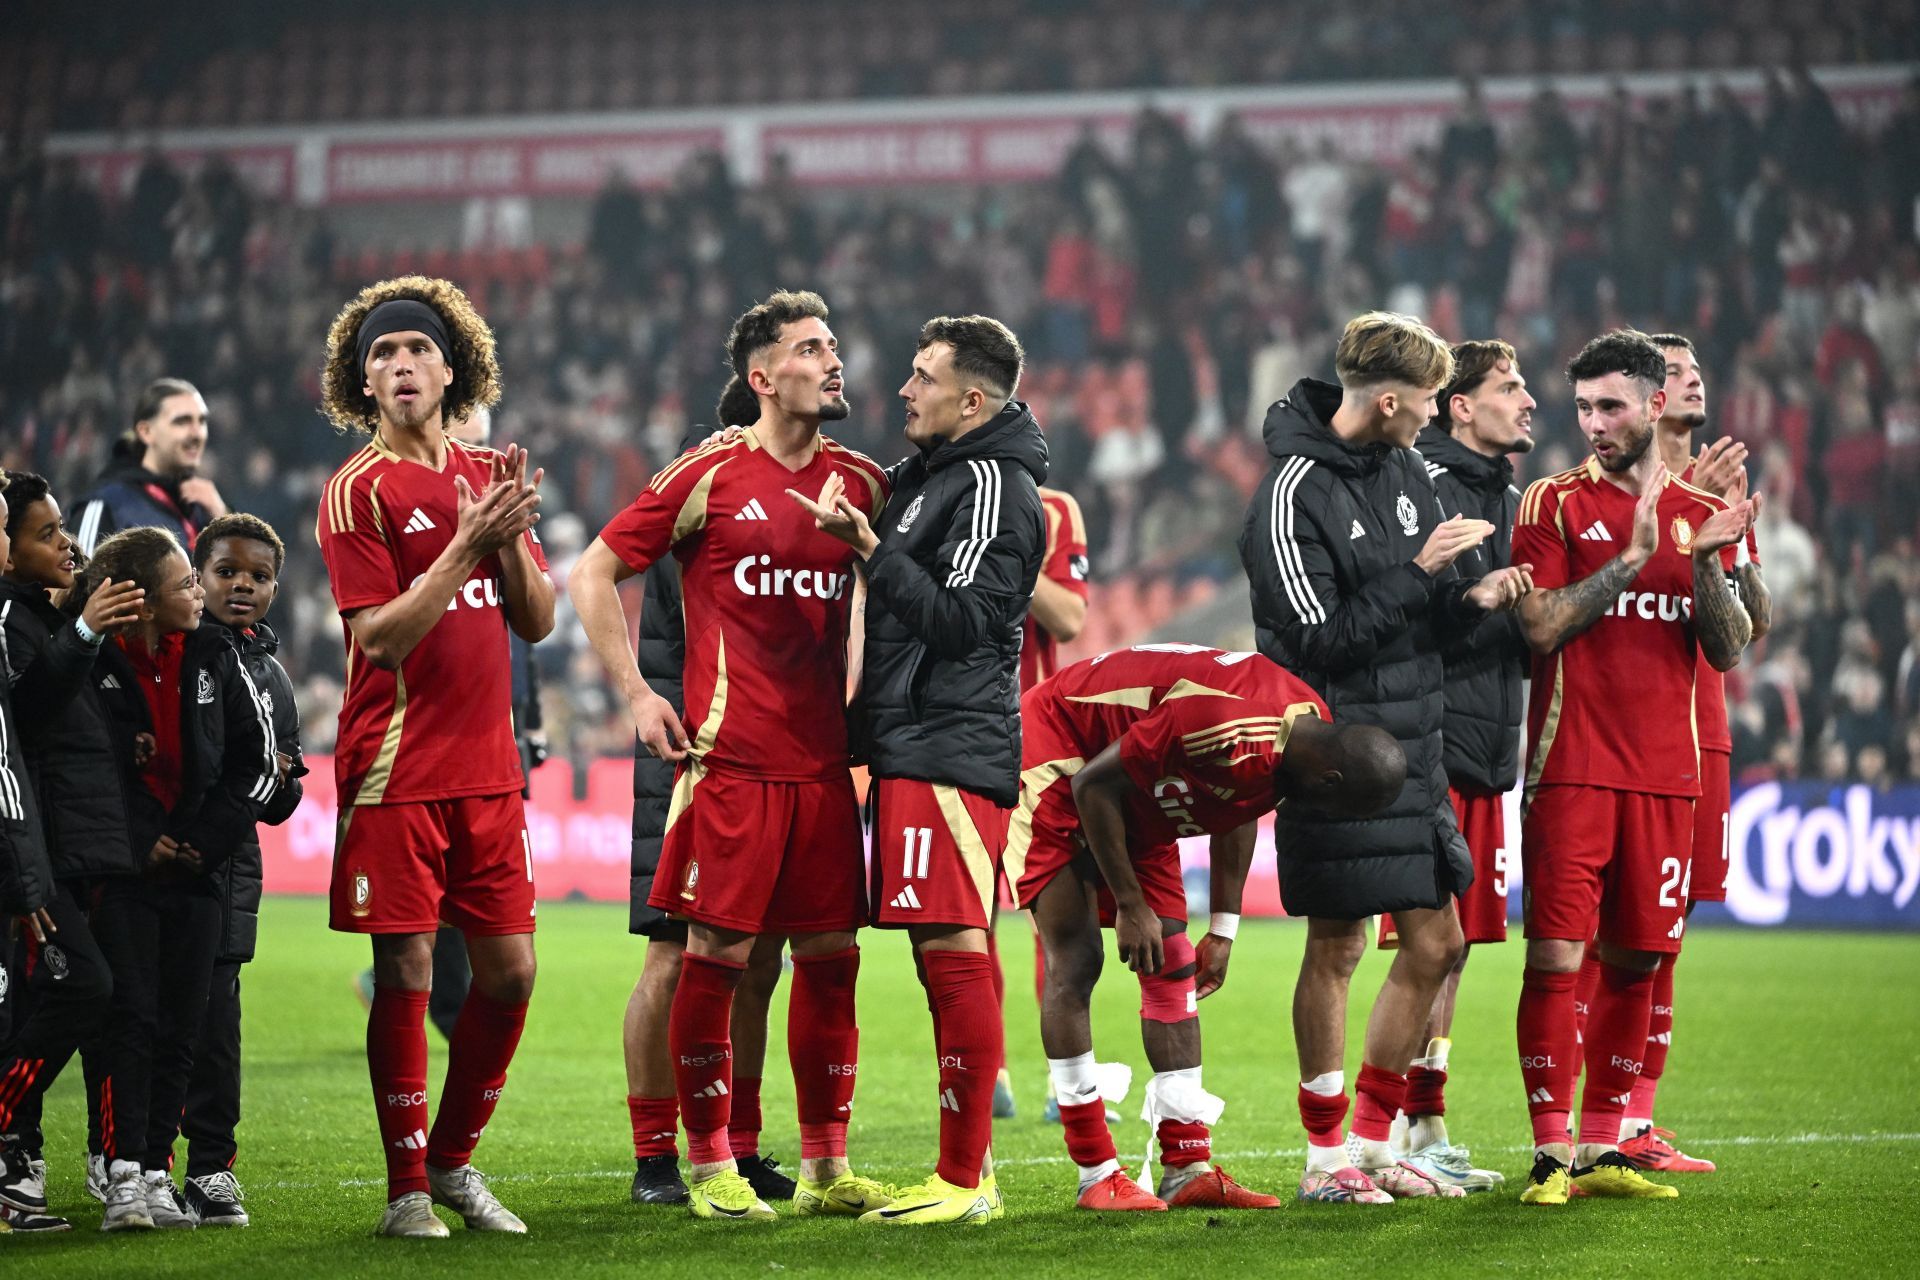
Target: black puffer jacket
1486, 663
227, 766
26, 875
662, 656
130, 497
947, 596
68, 736
239, 880
1329, 545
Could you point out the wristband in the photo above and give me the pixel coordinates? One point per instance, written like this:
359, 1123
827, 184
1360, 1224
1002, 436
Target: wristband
87, 633
1741, 556
1224, 924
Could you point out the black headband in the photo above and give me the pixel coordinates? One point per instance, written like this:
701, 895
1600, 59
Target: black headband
399, 315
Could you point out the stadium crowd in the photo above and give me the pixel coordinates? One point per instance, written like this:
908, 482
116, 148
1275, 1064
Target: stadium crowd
1782, 243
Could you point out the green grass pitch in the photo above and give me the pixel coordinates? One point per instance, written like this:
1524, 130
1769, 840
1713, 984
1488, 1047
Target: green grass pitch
1794, 1068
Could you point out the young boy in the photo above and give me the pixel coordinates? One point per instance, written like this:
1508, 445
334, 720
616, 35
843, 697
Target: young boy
239, 558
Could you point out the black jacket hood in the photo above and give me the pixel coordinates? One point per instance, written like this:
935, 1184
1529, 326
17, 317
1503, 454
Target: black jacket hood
1437, 445
1011, 434
1300, 425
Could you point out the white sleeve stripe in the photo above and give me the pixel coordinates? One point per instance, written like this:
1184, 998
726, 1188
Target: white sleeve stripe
1286, 550
985, 525
263, 789
10, 803
90, 525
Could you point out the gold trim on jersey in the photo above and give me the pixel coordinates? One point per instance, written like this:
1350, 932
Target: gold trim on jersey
709, 733
339, 493
1184, 688
1136, 696
373, 501
690, 777
666, 474
966, 836
1226, 730
373, 788
382, 448
853, 460
693, 512
1033, 788
1550, 728
1250, 732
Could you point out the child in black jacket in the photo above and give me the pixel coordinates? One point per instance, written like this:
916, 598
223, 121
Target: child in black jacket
198, 760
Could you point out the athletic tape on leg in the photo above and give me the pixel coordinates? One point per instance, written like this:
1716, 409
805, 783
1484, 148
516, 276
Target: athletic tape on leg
1177, 1096
1168, 999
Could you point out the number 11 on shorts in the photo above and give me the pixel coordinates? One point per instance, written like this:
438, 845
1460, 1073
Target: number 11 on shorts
925, 837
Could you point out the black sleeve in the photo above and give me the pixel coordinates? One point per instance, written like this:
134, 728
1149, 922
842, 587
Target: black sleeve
46, 671
286, 740
98, 521
26, 875
222, 818
987, 562
1296, 596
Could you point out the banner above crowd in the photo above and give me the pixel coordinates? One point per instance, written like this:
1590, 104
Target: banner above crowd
869, 143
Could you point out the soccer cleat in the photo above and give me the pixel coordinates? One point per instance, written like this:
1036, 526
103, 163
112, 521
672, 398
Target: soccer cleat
1650, 1149
214, 1199
848, 1196
1614, 1177
1549, 1183
657, 1180
1404, 1182
97, 1177
22, 1185
464, 1190
126, 1201
1215, 1190
1340, 1186
935, 1201
1003, 1108
411, 1217
1118, 1192
728, 1195
991, 1185
165, 1205
31, 1223
1448, 1165
763, 1172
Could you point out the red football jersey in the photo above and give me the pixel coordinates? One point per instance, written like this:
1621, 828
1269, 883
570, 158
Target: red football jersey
442, 725
1200, 731
767, 599
1065, 562
1710, 686
1613, 707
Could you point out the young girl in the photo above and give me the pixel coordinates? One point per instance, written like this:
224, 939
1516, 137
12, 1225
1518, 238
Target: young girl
197, 759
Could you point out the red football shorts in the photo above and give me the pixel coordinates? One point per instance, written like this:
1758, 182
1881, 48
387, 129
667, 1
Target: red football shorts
1711, 853
408, 868
1483, 907
1606, 864
1044, 839
762, 857
936, 853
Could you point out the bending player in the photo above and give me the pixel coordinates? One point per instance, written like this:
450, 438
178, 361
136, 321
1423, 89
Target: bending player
430, 551
763, 832
1123, 755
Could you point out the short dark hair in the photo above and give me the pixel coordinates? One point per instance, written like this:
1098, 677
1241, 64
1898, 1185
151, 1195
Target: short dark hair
157, 393
1473, 364
737, 406
759, 326
1373, 767
1674, 342
1627, 351
239, 524
984, 350
23, 489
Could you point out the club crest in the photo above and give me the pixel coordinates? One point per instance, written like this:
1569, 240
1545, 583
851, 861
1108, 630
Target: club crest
912, 513
1683, 534
1408, 514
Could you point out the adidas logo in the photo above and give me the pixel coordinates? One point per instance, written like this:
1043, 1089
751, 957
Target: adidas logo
109, 682
948, 1102
715, 1090
1679, 927
1665, 1037
415, 1141
1539, 1095
418, 522
906, 900
1597, 532
1358, 532
752, 511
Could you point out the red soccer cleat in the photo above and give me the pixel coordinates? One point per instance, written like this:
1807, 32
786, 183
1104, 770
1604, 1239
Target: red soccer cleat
1215, 1190
1653, 1149
1118, 1191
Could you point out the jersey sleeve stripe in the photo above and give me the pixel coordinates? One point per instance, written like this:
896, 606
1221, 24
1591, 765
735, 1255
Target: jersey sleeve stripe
667, 473
1286, 549
985, 525
340, 492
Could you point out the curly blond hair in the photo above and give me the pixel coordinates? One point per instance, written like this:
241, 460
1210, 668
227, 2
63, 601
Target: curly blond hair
476, 370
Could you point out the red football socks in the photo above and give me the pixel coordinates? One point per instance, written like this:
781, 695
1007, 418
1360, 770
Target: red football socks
1584, 988
1426, 1092
699, 1038
397, 1065
1380, 1096
1183, 1143
1615, 1044
656, 1122
478, 1054
1322, 1115
999, 992
1549, 1062
823, 1046
743, 1128
1659, 1041
970, 1041
1089, 1141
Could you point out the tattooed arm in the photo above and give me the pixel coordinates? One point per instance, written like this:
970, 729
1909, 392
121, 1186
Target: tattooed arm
1720, 621
1549, 618
1754, 598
